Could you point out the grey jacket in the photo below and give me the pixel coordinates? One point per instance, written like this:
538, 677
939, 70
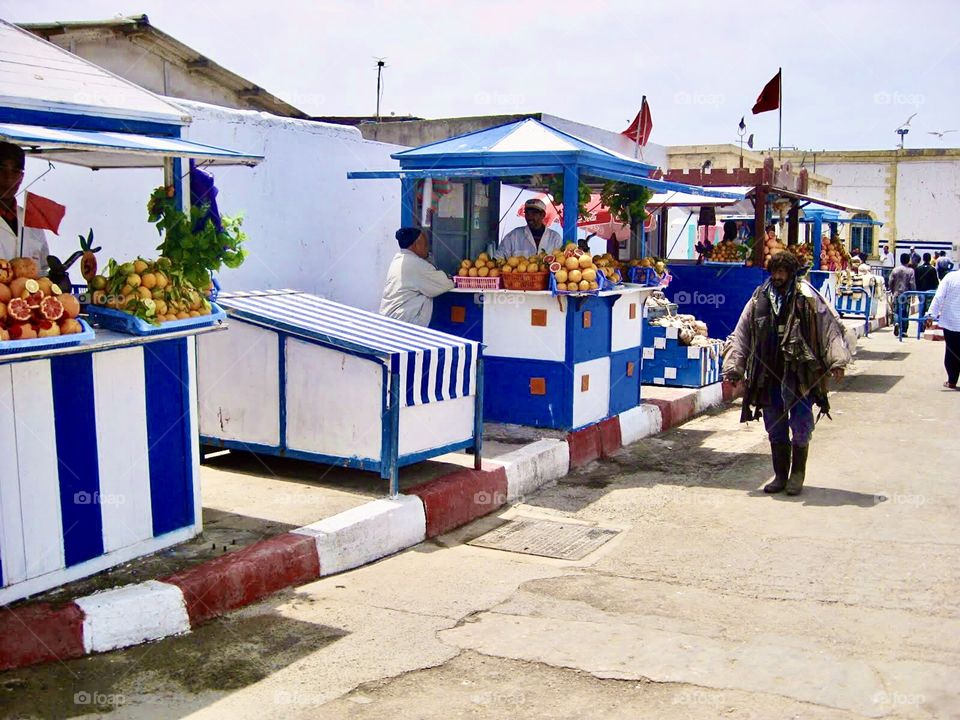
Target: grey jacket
811, 352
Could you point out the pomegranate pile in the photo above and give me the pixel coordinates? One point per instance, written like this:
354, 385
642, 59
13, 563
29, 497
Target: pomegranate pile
32, 306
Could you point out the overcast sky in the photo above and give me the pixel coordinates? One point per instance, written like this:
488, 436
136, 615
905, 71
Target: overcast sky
852, 71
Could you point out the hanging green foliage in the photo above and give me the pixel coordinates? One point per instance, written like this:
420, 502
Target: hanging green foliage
625, 201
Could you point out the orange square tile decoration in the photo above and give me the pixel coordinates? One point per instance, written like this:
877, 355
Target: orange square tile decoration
458, 314
587, 318
584, 383
633, 311
538, 318
629, 369
538, 386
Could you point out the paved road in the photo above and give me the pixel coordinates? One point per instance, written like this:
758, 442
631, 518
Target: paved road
713, 600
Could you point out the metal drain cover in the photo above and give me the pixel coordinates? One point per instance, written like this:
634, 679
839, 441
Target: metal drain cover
547, 538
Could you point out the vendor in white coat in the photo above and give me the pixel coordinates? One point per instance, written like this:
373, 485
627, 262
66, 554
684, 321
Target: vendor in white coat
13, 235
533, 237
412, 282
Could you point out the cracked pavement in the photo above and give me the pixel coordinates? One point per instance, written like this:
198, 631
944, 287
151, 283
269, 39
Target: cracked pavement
713, 601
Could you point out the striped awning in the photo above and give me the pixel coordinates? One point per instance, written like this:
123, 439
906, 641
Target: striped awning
432, 366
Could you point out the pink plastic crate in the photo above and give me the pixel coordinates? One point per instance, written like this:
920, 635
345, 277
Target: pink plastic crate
476, 283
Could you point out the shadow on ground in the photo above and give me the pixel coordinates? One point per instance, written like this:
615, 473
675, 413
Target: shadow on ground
190, 664
878, 384
334, 477
880, 355
680, 458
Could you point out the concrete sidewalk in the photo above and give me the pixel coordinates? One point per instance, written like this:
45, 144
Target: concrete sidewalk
293, 522
713, 600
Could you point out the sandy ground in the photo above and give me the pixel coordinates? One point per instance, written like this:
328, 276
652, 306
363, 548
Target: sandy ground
713, 601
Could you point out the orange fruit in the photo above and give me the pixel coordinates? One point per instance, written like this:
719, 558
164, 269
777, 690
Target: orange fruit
71, 305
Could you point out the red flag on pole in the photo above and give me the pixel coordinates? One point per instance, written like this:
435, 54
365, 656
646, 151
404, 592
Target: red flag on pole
42, 213
769, 98
642, 125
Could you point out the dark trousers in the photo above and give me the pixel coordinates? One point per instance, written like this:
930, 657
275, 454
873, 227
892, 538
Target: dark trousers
788, 415
951, 358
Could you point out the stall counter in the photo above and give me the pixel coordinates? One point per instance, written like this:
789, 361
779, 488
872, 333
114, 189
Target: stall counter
102, 457
556, 361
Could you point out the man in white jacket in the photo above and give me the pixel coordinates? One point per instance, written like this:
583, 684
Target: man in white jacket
946, 310
412, 282
532, 237
13, 235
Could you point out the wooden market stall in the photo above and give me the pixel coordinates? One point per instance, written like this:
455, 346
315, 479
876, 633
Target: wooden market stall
99, 446
329, 383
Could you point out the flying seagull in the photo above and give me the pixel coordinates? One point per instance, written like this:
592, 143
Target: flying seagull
939, 134
907, 123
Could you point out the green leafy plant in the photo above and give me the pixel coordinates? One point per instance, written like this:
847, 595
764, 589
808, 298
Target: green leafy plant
626, 202
195, 245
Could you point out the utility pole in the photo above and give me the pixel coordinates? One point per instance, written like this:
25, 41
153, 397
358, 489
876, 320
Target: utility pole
380, 66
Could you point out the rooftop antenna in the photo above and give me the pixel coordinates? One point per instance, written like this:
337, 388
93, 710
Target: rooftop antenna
380, 65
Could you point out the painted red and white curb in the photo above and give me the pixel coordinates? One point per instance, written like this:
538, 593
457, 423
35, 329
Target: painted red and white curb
173, 605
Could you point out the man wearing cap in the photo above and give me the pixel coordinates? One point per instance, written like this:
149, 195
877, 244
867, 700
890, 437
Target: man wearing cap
412, 282
15, 239
533, 237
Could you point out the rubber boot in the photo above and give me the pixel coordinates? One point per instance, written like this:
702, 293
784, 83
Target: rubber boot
799, 469
781, 467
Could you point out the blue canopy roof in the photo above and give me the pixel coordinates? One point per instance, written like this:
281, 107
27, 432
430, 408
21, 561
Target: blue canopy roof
526, 147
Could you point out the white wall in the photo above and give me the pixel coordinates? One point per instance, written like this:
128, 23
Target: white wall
863, 185
309, 227
928, 201
145, 68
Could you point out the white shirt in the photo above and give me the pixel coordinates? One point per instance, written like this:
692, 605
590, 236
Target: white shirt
411, 285
519, 241
887, 260
946, 303
34, 243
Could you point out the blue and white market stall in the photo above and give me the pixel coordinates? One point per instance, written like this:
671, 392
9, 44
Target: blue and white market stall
99, 450
330, 383
562, 361
717, 292
558, 361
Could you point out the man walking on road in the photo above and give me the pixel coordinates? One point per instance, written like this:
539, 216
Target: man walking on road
787, 342
946, 309
902, 279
